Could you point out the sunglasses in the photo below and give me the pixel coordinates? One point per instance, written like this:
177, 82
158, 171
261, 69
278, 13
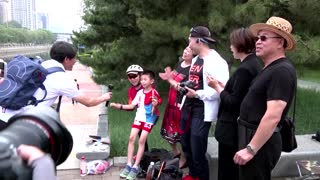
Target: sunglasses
264, 38
132, 76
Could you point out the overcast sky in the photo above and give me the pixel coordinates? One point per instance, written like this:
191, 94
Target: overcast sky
64, 15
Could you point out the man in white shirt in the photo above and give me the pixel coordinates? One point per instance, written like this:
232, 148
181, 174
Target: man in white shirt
200, 107
57, 84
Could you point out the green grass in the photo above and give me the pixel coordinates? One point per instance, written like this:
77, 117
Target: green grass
307, 111
307, 120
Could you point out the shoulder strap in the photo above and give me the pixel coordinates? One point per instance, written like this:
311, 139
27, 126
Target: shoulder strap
59, 104
295, 97
50, 71
294, 104
55, 69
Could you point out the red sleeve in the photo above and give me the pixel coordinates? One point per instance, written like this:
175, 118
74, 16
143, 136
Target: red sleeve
130, 98
158, 98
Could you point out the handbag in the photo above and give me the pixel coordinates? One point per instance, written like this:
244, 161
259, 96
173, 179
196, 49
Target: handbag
287, 131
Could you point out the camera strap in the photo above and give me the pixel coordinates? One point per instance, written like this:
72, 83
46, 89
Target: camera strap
59, 104
182, 101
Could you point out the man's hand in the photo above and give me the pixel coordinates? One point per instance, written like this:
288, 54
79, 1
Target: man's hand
107, 96
242, 157
29, 153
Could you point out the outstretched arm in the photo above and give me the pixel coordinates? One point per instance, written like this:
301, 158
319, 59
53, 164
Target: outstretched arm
122, 106
92, 101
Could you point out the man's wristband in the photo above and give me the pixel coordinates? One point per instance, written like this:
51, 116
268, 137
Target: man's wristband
121, 107
251, 150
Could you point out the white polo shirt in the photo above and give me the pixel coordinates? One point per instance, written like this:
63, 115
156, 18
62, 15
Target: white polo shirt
57, 84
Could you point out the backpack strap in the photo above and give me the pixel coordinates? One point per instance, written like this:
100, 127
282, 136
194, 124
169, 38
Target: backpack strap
55, 69
51, 71
59, 104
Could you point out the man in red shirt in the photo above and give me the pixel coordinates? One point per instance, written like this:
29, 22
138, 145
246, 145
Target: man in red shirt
134, 72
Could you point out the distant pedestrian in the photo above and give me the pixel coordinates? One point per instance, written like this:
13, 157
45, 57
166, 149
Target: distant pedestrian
78, 87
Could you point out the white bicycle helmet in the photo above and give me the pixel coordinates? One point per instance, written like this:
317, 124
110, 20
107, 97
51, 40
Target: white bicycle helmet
134, 68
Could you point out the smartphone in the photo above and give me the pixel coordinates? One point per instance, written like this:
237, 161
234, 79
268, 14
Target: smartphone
207, 74
3, 69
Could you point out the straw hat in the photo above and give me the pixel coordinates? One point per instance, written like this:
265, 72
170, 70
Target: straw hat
279, 26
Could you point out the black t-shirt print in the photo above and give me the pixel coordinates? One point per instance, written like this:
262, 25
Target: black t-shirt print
196, 74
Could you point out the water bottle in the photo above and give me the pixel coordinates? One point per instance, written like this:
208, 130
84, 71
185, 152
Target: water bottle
83, 166
150, 171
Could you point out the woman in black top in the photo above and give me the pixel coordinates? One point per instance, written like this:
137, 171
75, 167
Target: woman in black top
242, 46
171, 119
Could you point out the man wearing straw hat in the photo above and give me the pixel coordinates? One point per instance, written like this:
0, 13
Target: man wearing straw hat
267, 101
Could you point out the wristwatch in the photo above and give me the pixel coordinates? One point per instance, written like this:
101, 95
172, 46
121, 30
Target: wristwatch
250, 149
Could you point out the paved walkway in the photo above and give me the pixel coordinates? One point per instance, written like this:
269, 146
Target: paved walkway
81, 121
309, 85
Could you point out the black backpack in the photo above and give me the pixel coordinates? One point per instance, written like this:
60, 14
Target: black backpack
170, 170
154, 155
24, 77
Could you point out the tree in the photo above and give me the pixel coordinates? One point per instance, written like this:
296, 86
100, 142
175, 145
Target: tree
14, 24
22, 35
153, 33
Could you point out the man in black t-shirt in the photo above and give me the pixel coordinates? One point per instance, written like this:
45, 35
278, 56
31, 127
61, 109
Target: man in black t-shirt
267, 101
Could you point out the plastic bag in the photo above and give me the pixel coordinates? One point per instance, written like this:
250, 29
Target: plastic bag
98, 167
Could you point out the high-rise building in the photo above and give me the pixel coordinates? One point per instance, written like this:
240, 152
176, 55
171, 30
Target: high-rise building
24, 12
5, 11
42, 21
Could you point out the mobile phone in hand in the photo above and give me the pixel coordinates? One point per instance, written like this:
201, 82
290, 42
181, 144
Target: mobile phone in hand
207, 74
3, 69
